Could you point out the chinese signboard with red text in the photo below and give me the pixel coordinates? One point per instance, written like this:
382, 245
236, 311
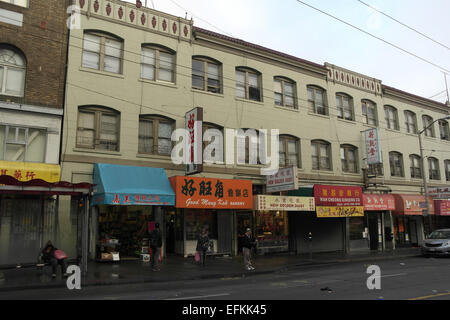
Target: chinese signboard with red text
338, 201
373, 150
194, 143
286, 203
378, 202
284, 180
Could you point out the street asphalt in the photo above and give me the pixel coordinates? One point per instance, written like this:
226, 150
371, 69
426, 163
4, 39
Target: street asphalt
404, 278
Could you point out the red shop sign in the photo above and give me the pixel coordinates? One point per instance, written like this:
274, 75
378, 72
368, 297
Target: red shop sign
337, 196
378, 202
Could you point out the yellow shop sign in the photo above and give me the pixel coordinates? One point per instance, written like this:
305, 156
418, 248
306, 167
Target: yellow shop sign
26, 171
339, 212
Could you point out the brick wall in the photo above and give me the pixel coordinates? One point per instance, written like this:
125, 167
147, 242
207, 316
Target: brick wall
43, 40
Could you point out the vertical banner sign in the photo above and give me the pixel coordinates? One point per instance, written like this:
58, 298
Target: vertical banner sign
194, 142
373, 149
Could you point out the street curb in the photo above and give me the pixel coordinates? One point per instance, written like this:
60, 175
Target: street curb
205, 277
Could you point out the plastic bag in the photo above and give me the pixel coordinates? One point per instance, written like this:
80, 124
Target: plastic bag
59, 255
197, 256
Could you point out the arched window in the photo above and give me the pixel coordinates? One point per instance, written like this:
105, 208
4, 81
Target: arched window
433, 169
213, 131
248, 84
98, 128
369, 112
321, 155
157, 63
396, 164
415, 166
427, 121
344, 104
443, 130
284, 90
391, 117
410, 122
317, 100
349, 158
12, 71
447, 170
206, 74
155, 134
289, 153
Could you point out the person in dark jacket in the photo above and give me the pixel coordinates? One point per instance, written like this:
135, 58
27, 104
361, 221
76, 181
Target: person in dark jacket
48, 256
248, 242
155, 245
203, 245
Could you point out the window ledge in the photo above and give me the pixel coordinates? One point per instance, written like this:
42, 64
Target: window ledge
353, 174
220, 95
411, 134
159, 83
113, 153
110, 74
152, 156
398, 178
330, 172
249, 101
287, 108
430, 138
319, 115
12, 95
370, 126
347, 121
392, 130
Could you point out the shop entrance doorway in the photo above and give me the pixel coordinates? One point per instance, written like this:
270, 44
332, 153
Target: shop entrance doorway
244, 221
373, 231
413, 232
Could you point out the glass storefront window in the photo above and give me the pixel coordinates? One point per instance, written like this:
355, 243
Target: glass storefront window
198, 219
272, 229
357, 228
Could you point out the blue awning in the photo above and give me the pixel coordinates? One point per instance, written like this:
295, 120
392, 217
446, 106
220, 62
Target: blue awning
127, 185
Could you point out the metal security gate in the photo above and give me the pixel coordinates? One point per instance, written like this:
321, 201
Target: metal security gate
225, 233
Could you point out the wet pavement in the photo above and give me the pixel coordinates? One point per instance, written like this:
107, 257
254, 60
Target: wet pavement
178, 268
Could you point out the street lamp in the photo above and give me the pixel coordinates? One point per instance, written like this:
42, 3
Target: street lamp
425, 186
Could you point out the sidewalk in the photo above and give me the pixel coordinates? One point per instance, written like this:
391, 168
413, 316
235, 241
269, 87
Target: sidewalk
177, 268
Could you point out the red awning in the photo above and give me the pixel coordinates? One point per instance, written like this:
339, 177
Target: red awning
442, 207
378, 202
11, 185
411, 204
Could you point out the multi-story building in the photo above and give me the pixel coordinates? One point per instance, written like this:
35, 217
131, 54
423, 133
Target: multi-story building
134, 73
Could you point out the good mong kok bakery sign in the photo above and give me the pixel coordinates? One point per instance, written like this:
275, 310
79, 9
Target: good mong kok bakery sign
338, 201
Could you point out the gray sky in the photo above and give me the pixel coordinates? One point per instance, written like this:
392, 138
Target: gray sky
289, 26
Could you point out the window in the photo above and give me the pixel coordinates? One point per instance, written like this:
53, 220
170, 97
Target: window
22, 3
247, 140
12, 72
157, 63
375, 170
369, 112
396, 163
415, 166
433, 169
344, 105
427, 121
321, 155
317, 100
289, 154
443, 130
284, 90
102, 52
22, 144
410, 122
248, 84
214, 131
447, 170
206, 75
391, 117
155, 134
349, 158
98, 128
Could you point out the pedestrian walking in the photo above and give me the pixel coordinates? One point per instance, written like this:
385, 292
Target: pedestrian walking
52, 255
202, 246
155, 245
248, 243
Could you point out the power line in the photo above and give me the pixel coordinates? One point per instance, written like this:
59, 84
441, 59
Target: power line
437, 94
403, 24
374, 36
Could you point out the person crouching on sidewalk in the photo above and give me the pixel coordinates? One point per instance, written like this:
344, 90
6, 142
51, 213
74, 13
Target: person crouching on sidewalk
48, 256
248, 242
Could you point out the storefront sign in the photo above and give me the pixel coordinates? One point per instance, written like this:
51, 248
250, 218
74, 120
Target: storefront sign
439, 193
411, 204
26, 171
194, 143
194, 192
131, 199
338, 196
373, 150
286, 203
339, 212
442, 207
284, 180
378, 202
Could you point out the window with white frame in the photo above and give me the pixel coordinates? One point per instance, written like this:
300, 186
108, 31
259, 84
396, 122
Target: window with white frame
391, 118
410, 122
396, 164
206, 75
433, 169
22, 143
284, 91
317, 100
22, 3
321, 155
102, 52
12, 72
344, 105
369, 112
289, 153
427, 123
158, 63
248, 84
415, 166
155, 135
349, 158
98, 128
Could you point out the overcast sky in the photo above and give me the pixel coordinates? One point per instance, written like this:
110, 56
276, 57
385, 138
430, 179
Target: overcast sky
291, 27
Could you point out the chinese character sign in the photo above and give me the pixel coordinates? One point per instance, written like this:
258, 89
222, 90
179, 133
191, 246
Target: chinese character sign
285, 179
338, 196
194, 192
373, 150
194, 141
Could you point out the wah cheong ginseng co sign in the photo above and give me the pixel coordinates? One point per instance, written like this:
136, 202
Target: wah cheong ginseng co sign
284, 203
338, 201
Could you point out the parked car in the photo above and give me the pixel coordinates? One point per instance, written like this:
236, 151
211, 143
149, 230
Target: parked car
437, 243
